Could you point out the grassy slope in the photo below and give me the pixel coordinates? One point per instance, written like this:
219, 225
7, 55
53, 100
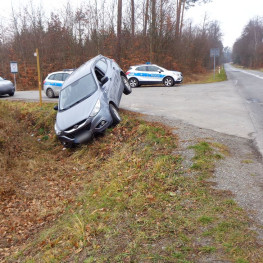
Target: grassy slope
208, 77
124, 197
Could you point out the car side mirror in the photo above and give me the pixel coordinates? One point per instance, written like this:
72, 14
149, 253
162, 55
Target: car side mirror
56, 107
104, 80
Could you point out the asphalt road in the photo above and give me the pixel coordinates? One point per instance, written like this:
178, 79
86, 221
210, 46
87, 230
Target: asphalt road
233, 107
249, 84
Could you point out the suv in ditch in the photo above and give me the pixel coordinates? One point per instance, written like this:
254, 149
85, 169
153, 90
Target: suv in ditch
89, 100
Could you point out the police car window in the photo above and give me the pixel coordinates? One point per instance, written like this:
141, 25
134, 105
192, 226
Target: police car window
59, 77
52, 76
65, 75
153, 68
142, 68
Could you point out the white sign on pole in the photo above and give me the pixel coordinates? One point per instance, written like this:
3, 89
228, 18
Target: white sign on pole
214, 52
13, 67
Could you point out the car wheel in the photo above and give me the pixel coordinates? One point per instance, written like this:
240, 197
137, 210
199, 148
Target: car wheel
68, 145
116, 118
50, 93
168, 82
11, 94
133, 82
127, 87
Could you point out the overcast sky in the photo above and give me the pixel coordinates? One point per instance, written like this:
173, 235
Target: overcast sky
232, 15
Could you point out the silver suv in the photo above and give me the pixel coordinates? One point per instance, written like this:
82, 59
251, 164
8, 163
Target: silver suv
89, 100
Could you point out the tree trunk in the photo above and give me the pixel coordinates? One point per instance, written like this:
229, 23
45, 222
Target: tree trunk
178, 17
153, 30
182, 19
132, 18
118, 46
146, 18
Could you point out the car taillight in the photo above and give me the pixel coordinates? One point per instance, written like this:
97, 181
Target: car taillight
44, 82
127, 73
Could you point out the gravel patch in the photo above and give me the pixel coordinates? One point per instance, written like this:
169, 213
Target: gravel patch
240, 172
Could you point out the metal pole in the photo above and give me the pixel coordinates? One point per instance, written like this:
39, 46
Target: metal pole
39, 81
15, 80
214, 66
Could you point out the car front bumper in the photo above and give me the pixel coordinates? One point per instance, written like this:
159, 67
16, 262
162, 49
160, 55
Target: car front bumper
6, 90
96, 124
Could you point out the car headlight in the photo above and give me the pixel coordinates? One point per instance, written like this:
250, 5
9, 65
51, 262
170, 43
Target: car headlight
57, 131
96, 109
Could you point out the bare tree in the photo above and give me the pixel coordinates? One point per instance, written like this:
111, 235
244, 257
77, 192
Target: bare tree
119, 23
132, 18
146, 17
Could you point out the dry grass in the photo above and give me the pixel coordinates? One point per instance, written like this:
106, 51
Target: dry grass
207, 77
124, 197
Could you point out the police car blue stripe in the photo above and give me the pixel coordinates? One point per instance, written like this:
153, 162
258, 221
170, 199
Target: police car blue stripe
53, 84
147, 75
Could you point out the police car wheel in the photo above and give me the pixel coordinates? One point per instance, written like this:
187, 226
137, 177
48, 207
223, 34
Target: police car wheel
50, 93
127, 88
168, 82
133, 82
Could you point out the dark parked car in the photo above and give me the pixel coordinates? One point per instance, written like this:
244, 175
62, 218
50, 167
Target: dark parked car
6, 87
89, 100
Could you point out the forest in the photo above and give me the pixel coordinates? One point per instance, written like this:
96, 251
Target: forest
248, 49
131, 32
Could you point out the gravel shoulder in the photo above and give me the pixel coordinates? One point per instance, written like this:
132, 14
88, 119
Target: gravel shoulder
240, 172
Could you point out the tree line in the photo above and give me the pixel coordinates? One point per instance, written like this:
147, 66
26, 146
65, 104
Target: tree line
248, 49
131, 32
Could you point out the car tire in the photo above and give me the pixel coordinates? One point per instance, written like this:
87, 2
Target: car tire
50, 93
116, 118
11, 94
168, 82
68, 145
133, 82
127, 87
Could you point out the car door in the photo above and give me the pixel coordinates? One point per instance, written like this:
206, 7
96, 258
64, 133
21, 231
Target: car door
57, 83
155, 74
141, 74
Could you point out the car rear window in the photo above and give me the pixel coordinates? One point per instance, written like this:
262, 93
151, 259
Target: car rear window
141, 68
57, 76
51, 77
65, 75
152, 68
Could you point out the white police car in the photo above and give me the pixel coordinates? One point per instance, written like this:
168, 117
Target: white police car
152, 74
54, 81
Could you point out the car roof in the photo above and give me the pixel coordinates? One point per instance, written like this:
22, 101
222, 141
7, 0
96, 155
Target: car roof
145, 65
82, 71
69, 71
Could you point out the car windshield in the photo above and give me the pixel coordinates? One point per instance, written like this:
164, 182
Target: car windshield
77, 91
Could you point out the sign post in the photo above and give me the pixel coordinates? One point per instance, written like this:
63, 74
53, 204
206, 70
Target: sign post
214, 52
14, 70
39, 81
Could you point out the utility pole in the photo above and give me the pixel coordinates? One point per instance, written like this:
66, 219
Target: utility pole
39, 80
